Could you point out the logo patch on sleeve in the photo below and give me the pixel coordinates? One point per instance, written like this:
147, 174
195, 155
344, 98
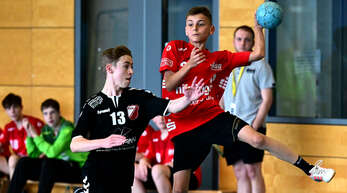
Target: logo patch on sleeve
133, 111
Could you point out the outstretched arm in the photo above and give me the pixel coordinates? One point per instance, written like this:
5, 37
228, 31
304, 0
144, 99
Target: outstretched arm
259, 46
81, 144
190, 94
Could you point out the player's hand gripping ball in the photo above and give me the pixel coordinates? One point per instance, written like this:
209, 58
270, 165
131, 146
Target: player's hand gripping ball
269, 15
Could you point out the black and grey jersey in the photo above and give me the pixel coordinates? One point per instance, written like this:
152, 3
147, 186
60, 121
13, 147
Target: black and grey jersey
127, 115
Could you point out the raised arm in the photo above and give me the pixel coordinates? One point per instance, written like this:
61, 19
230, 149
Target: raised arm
81, 144
191, 93
259, 45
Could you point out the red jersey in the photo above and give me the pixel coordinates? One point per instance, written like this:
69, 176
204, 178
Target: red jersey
198, 175
159, 151
16, 137
4, 149
145, 139
213, 70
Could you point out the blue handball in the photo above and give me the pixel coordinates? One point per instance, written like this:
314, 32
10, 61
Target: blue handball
269, 15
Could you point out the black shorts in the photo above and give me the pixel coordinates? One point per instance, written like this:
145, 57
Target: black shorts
245, 152
149, 184
192, 147
105, 173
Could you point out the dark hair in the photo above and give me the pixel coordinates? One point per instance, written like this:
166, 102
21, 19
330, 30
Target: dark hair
12, 99
197, 10
111, 55
50, 103
245, 28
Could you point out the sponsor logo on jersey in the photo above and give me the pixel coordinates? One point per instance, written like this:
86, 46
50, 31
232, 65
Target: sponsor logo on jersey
223, 83
133, 111
216, 67
103, 111
11, 129
168, 48
130, 141
179, 90
166, 62
182, 49
170, 125
95, 101
171, 151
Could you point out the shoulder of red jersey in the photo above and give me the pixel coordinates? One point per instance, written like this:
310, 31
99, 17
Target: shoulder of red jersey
11, 124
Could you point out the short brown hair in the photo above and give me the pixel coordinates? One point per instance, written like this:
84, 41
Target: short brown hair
245, 28
200, 9
50, 103
112, 55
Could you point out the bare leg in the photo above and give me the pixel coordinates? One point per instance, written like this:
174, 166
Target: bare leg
12, 162
248, 135
181, 181
138, 187
161, 177
256, 177
4, 165
243, 182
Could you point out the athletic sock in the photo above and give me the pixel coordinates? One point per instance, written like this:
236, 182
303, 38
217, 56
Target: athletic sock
303, 165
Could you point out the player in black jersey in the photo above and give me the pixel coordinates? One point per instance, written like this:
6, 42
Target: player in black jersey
112, 121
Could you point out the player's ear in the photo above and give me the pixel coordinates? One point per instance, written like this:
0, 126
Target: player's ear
212, 29
108, 68
186, 30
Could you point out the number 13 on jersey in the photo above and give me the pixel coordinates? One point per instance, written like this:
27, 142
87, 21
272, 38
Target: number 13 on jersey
118, 118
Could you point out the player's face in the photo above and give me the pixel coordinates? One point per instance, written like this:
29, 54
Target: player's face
243, 41
14, 112
51, 116
123, 71
198, 28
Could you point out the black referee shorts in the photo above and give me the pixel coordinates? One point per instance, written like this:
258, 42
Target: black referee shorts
245, 152
192, 147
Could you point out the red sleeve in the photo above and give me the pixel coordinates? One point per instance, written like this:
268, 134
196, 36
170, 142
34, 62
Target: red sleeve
4, 136
169, 58
37, 123
233, 60
4, 150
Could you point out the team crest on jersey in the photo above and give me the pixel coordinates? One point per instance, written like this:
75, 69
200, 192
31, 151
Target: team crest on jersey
133, 111
166, 62
216, 67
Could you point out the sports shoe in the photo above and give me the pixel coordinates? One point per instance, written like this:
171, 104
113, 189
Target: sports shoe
319, 174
